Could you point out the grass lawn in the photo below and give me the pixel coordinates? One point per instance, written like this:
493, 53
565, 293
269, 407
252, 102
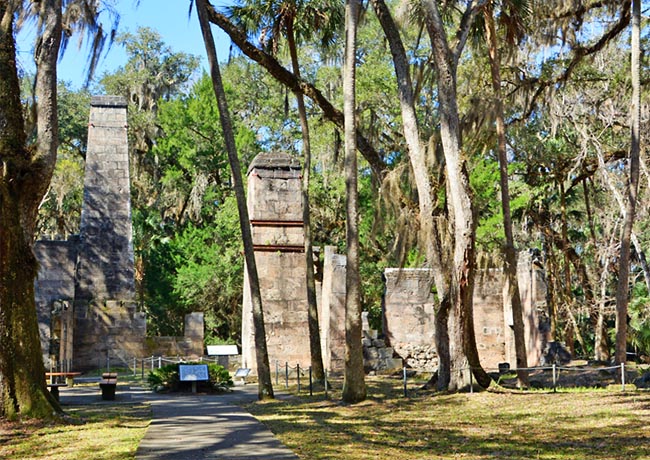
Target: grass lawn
574, 425
99, 432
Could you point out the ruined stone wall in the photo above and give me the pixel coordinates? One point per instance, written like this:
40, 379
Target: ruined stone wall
85, 288
409, 316
189, 345
532, 289
275, 210
490, 326
54, 284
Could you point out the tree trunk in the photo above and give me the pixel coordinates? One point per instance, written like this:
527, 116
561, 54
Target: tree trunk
312, 306
601, 349
597, 314
354, 386
24, 177
622, 286
463, 351
265, 387
551, 277
509, 252
618, 197
429, 235
409, 117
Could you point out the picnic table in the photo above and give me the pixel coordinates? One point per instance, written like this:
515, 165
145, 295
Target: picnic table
58, 380
55, 377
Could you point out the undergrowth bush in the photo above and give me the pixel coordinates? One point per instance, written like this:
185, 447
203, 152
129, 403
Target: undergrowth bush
167, 378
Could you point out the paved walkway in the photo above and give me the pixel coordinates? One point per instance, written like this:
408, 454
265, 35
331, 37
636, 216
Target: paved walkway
195, 427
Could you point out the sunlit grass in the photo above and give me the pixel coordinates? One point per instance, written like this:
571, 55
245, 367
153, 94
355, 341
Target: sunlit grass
565, 425
98, 432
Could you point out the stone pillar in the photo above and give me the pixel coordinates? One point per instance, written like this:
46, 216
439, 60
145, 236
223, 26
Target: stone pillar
408, 313
194, 326
107, 323
492, 319
332, 311
105, 267
275, 209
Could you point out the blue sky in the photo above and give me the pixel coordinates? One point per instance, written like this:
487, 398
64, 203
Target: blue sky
168, 17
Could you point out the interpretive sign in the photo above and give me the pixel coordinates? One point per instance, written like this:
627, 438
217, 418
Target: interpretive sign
222, 350
193, 372
242, 372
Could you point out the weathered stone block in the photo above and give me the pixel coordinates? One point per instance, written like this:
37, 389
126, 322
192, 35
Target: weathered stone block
194, 325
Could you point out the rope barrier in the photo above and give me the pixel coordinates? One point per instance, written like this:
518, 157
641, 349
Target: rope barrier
555, 369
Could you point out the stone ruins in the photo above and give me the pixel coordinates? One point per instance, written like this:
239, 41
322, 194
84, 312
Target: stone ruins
274, 204
408, 313
275, 209
85, 290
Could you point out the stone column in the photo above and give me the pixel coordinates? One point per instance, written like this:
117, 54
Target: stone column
107, 323
332, 311
275, 209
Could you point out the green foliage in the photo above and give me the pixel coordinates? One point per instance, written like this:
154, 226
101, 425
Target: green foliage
262, 110
153, 72
189, 241
60, 210
73, 109
167, 378
485, 184
639, 324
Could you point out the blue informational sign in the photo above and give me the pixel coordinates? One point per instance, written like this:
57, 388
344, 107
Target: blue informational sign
193, 372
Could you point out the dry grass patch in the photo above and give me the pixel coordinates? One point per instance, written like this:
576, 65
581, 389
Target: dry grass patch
98, 432
572, 426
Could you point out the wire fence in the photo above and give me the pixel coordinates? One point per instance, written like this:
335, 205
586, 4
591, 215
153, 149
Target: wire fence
553, 377
138, 366
301, 378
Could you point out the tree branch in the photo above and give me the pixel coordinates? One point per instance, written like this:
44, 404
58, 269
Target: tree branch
297, 85
579, 52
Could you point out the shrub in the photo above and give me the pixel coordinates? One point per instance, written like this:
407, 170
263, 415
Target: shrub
167, 378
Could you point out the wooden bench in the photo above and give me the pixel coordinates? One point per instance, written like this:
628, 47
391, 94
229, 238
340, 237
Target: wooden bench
54, 389
108, 385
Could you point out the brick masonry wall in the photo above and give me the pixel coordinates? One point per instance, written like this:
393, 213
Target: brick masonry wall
409, 315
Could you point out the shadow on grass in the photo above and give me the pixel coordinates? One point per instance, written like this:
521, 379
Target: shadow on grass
94, 432
523, 426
